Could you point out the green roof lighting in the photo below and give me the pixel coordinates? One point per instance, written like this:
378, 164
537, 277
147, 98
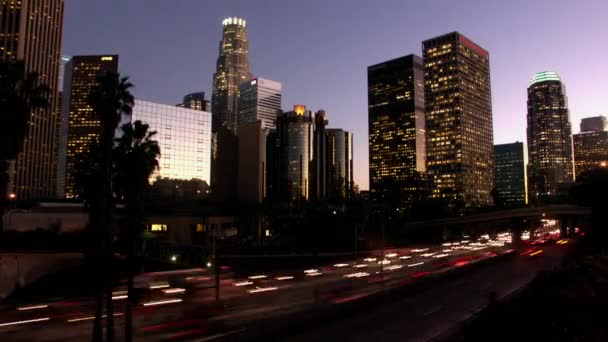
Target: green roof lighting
544, 76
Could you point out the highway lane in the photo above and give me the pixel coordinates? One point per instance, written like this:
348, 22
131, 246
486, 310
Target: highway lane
429, 314
242, 306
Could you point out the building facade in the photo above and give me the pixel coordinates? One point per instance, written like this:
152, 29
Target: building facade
23, 25
259, 100
232, 70
339, 162
590, 151
510, 175
458, 119
251, 184
594, 124
79, 125
184, 137
196, 101
295, 130
397, 146
550, 164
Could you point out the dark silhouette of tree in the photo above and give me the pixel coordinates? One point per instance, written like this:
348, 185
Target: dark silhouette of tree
136, 158
110, 99
590, 190
21, 93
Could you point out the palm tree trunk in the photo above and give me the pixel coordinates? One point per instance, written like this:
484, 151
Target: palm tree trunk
130, 289
3, 190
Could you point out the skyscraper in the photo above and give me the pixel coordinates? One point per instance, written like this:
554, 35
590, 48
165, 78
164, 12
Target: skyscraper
184, 137
251, 184
318, 180
594, 124
295, 131
549, 137
339, 163
196, 101
79, 126
397, 148
591, 145
259, 99
31, 31
458, 119
232, 70
510, 174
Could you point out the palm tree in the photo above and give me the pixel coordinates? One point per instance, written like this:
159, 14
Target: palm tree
136, 158
21, 92
110, 99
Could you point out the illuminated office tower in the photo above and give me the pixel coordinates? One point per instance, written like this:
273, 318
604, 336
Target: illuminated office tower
591, 145
397, 148
339, 160
232, 70
510, 174
549, 137
196, 101
184, 137
259, 99
458, 119
79, 125
295, 132
31, 31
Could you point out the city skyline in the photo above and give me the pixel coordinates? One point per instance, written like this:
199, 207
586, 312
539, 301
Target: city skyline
516, 54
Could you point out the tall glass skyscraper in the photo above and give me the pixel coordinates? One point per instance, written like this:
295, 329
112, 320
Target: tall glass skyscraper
510, 174
259, 100
549, 137
295, 131
397, 150
79, 125
232, 70
458, 119
184, 136
31, 31
339, 163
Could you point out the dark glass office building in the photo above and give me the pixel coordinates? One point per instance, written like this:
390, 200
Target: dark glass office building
397, 147
458, 119
339, 163
510, 174
79, 125
550, 162
196, 101
295, 132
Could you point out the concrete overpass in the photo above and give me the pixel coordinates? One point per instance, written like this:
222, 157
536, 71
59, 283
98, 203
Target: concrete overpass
521, 218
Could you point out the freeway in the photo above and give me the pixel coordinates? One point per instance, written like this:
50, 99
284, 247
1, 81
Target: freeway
430, 315
182, 306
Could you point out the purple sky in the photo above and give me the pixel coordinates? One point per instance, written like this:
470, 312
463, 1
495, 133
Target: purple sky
320, 49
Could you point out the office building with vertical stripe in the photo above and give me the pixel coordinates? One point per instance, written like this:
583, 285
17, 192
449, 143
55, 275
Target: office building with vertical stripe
397, 150
259, 100
31, 31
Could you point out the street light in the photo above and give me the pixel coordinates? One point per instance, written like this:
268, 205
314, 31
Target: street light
12, 196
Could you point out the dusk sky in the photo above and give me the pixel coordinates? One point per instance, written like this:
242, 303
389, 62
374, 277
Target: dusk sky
320, 49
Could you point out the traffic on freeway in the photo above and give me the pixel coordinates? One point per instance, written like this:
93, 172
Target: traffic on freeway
183, 304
